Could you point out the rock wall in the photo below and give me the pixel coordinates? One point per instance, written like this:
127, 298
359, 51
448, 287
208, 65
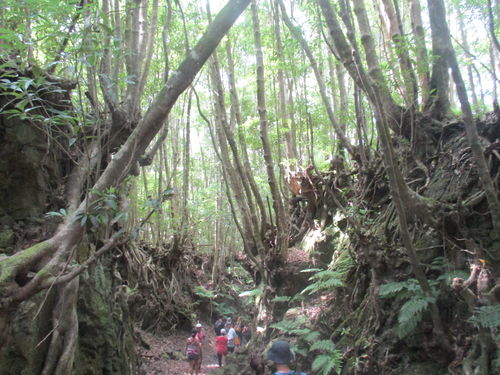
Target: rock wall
33, 169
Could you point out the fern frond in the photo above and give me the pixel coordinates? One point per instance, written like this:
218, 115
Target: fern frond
324, 346
312, 336
325, 363
325, 280
200, 291
320, 361
486, 316
413, 307
325, 275
291, 326
390, 290
407, 327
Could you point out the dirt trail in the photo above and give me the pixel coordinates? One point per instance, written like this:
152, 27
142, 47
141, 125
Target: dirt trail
166, 354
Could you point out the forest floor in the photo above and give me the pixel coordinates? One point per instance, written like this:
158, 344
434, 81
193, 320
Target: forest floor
165, 355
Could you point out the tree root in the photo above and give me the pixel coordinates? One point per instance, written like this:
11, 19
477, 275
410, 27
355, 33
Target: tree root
59, 359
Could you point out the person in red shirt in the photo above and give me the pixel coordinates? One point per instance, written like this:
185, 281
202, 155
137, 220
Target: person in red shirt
221, 345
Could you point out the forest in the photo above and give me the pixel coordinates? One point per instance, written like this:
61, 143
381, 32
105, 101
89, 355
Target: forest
325, 171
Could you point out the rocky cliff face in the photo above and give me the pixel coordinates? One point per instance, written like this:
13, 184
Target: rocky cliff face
33, 170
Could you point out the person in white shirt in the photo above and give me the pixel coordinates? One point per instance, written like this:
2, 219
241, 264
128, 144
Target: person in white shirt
231, 336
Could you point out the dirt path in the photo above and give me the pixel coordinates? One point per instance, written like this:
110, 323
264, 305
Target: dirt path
166, 354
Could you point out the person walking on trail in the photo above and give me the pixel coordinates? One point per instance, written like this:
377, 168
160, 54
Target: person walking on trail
193, 353
231, 337
238, 327
200, 336
221, 345
281, 355
246, 335
219, 324
199, 332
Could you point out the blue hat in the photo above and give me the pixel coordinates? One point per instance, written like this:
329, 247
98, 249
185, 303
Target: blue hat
280, 352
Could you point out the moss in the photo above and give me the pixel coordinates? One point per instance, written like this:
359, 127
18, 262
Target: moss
7, 238
10, 265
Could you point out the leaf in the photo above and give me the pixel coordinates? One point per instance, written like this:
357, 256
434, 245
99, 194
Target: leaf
323, 345
251, 293
486, 317
313, 336
389, 290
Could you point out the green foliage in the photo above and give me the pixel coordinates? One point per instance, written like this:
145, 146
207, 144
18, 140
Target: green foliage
343, 264
225, 309
61, 213
202, 292
309, 341
325, 280
104, 210
329, 359
295, 327
415, 305
411, 313
486, 317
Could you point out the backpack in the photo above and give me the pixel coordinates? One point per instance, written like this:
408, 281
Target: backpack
192, 352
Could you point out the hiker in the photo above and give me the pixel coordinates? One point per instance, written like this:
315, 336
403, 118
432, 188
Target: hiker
200, 336
219, 324
199, 332
246, 335
193, 353
221, 345
231, 337
281, 355
238, 328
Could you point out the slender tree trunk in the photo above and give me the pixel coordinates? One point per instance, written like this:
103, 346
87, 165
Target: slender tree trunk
319, 80
438, 104
421, 50
281, 245
437, 15
400, 45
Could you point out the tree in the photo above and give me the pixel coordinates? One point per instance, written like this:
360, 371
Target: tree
52, 255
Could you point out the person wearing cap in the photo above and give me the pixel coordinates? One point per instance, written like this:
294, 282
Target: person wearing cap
193, 353
281, 355
199, 332
200, 336
221, 345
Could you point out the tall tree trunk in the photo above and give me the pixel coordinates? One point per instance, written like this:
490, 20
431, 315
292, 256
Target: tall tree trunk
421, 50
400, 45
437, 14
297, 34
465, 43
438, 104
281, 245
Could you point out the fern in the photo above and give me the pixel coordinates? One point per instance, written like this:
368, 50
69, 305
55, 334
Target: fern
200, 291
414, 307
416, 303
323, 345
311, 336
292, 327
330, 358
486, 317
323, 281
398, 288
